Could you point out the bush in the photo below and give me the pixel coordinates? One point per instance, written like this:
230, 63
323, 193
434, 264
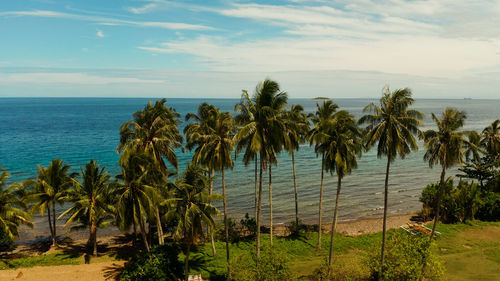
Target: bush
349, 270
272, 266
233, 232
458, 204
404, 258
249, 225
489, 208
160, 263
463, 202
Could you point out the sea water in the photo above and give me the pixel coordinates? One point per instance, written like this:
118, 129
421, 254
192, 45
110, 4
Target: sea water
36, 130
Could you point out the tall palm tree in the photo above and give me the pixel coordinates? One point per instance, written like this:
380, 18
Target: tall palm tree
92, 202
318, 135
136, 198
246, 109
214, 149
12, 207
344, 146
392, 126
297, 127
191, 208
153, 131
50, 187
491, 139
197, 135
446, 146
265, 134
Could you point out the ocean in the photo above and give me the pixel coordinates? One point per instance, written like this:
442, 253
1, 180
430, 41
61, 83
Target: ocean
36, 130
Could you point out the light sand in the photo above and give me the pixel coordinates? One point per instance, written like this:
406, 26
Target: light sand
84, 272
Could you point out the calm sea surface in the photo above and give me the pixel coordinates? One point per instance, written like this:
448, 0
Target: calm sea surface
36, 130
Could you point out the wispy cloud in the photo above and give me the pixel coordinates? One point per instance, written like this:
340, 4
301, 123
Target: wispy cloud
71, 78
107, 20
144, 9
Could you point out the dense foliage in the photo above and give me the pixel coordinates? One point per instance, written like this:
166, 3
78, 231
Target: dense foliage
160, 263
405, 257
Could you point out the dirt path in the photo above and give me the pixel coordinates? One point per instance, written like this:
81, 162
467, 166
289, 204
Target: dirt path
85, 272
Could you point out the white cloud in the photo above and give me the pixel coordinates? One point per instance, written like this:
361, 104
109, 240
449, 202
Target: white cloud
299, 84
416, 55
144, 9
107, 20
100, 34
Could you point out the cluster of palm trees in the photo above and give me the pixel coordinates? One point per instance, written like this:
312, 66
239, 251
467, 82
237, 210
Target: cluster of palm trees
153, 198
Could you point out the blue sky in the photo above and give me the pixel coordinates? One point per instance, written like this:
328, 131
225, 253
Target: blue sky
152, 48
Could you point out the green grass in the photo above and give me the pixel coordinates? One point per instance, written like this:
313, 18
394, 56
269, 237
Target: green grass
47, 260
470, 251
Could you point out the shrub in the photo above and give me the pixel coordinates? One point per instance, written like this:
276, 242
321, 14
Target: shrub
458, 204
349, 270
233, 232
272, 266
489, 208
405, 256
249, 225
160, 263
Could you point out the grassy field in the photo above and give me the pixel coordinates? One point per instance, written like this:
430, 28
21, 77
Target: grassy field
470, 252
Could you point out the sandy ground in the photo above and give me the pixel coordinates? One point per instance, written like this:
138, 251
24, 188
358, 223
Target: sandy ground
84, 272
107, 270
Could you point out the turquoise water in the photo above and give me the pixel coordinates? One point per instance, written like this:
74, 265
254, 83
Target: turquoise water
36, 130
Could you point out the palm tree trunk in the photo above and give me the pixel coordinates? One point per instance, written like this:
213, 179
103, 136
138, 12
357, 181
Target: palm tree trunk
384, 227
334, 222
436, 217
256, 187
271, 204
296, 194
259, 207
186, 261
50, 223
159, 227
135, 230
210, 232
438, 204
143, 230
226, 226
93, 237
321, 201
54, 236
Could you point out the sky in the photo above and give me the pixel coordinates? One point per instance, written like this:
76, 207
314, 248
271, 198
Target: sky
195, 49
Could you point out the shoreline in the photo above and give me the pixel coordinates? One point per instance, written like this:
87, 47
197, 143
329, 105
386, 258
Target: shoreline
349, 228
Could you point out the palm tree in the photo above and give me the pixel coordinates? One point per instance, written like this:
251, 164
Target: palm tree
297, 127
318, 136
265, 134
393, 127
12, 214
137, 200
446, 146
214, 146
92, 202
197, 135
246, 110
491, 139
191, 208
344, 146
153, 131
49, 188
